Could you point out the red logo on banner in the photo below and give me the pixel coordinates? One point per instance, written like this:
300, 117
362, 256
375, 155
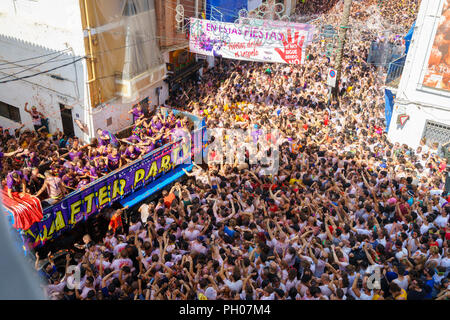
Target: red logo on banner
292, 49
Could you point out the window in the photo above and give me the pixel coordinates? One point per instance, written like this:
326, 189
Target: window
133, 7
10, 112
129, 9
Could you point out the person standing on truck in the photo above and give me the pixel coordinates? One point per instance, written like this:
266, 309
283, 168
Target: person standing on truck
55, 189
137, 113
37, 117
15, 182
106, 137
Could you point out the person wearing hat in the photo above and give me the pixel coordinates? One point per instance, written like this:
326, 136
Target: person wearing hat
15, 182
106, 137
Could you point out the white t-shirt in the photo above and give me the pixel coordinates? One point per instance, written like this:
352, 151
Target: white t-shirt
424, 228
445, 262
119, 263
135, 227
191, 235
291, 284
119, 247
145, 212
198, 247
401, 254
111, 241
234, 286
320, 267
270, 297
402, 283
441, 221
363, 295
325, 290
85, 292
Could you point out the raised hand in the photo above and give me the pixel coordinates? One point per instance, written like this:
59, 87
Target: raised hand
293, 50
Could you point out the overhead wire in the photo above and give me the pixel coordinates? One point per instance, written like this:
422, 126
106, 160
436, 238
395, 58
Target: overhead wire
34, 64
39, 64
36, 57
42, 72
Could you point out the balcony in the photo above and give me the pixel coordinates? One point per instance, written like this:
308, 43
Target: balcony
394, 72
129, 88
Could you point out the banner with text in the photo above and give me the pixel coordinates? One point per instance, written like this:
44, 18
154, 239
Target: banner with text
283, 43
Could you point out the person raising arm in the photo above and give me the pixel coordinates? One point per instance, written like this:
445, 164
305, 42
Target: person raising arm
15, 182
55, 188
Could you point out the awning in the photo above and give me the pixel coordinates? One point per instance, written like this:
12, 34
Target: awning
389, 106
155, 186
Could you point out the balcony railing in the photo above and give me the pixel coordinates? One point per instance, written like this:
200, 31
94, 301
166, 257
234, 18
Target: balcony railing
395, 71
382, 54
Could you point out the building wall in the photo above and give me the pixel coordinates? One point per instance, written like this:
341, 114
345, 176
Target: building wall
167, 27
413, 99
34, 21
104, 15
118, 110
413, 130
29, 29
109, 26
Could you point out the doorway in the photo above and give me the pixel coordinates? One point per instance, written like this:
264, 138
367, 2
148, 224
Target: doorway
67, 120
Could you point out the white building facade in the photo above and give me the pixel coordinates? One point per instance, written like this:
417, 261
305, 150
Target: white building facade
40, 35
424, 106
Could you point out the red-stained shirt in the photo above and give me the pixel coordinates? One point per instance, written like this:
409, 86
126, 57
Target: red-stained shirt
116, 222
273, 208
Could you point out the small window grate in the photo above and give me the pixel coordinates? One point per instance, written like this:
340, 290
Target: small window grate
109, 121
436, 132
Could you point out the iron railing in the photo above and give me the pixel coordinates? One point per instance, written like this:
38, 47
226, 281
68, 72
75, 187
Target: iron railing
381, 54
395, 70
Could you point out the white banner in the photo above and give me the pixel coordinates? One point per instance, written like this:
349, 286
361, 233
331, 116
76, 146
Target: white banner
282, 43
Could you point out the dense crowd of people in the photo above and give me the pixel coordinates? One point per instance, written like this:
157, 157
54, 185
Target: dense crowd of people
347, 215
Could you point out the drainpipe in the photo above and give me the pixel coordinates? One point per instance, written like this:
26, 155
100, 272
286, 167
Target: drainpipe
76, 73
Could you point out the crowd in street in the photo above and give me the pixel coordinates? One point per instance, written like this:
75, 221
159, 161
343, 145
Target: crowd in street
346, 215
